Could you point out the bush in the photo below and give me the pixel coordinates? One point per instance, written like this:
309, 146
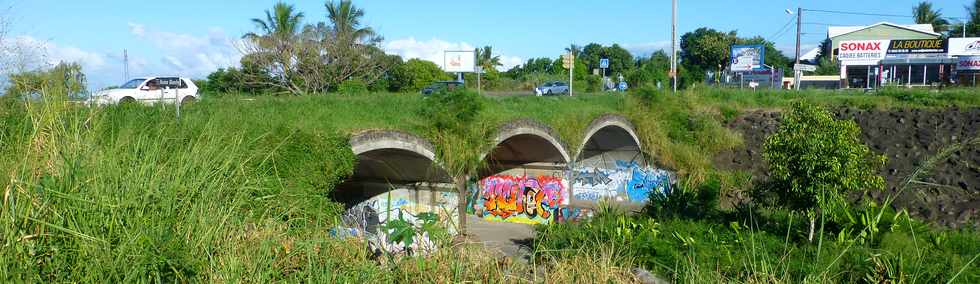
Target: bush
815, 159
353, 87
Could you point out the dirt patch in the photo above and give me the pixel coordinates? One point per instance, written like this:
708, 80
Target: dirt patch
946, 189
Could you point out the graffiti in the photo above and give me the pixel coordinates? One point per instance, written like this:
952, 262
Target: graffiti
628, 182
530, 200
370, 214
645, 181
594, 184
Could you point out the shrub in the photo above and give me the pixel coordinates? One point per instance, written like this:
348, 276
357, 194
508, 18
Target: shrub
815, 159
353, 87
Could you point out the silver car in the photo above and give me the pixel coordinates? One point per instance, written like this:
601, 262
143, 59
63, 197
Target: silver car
552, 88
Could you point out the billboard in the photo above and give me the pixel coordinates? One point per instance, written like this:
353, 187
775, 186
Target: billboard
862, 52
460, 61
916, 48
964, 46
748, 57
968, 63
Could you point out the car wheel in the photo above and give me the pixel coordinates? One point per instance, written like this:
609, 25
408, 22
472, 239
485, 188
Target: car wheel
127, 101
188, 101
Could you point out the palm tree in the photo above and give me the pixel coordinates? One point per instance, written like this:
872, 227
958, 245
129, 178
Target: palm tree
925, 14
283, 22
574, 49
346, 20
486, 59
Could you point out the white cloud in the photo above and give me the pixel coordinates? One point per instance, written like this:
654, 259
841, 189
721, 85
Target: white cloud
190, 55
645, 49
33, 53
432, 50
509, 62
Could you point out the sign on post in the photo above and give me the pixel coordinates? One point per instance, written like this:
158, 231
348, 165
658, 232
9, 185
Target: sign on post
604, 63
567, 60
747, 57
805, 67
462, 61
172, 83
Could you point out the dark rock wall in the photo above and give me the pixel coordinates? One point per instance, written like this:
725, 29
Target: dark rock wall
947, 193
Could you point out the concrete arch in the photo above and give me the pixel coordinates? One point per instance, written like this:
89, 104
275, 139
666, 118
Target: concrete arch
610, 134
390, 159
525, 143
372, 140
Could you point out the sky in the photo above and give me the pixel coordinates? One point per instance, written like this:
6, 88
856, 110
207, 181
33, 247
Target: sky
194, 38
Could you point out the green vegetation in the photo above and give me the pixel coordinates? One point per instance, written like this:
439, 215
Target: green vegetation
237, 190
815, 160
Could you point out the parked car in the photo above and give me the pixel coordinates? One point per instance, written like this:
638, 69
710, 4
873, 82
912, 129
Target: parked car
147, 91
442, 86
552, 88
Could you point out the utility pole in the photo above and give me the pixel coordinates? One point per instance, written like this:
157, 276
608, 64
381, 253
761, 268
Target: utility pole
799, 27
799, 30
126, 65
673, 45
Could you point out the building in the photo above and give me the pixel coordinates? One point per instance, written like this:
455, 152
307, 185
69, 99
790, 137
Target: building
887, 53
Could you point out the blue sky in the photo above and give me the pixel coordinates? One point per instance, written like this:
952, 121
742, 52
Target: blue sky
192, 38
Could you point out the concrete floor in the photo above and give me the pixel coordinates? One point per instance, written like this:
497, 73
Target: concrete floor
511, 239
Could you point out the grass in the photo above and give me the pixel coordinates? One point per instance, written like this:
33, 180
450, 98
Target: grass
236, 190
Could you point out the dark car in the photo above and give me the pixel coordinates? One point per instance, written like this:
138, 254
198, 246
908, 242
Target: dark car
448, 86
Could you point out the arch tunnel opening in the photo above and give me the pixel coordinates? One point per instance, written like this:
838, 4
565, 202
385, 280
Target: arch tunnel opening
611, 167
523, 181
391, 184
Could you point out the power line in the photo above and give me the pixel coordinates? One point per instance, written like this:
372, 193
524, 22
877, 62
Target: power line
782, 30
858, 13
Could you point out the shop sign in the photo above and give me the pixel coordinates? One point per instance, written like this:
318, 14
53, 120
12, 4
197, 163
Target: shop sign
862, 52
917, 48
964, 46
968, 63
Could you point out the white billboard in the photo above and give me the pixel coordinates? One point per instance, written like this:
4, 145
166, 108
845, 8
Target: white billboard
964, 46
862, 52
460, 61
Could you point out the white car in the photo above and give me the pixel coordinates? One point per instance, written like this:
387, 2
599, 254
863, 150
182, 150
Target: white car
148, 91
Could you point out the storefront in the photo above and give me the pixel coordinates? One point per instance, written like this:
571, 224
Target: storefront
911, 63
966, 53
859, 62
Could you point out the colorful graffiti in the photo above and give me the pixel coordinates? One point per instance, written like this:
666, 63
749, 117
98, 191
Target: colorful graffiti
370, 214
528, 200
628, 182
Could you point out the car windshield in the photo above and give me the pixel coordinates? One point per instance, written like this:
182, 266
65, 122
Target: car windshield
132, 84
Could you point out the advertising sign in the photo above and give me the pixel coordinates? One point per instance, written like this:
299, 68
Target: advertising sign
968, 63
460, 61
964, 46
748, 57
862, 52
916, 48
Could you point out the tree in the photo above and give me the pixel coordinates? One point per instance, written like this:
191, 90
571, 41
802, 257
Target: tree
420, 73
63, 80
706, 49
486, 59
925, 14
815, 159
973, 23
347, 27
320, 57
275, 50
